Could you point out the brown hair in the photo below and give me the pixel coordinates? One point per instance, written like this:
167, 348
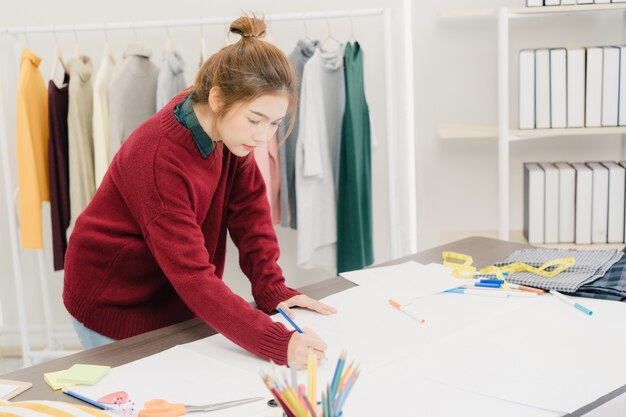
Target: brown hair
246, 70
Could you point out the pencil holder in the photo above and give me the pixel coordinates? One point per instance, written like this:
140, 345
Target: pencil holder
298, 400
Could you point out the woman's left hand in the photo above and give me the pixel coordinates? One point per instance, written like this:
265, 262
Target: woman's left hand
304, 301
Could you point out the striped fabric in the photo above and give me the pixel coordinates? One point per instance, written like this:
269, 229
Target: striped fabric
48, 409
611, 286
590, 265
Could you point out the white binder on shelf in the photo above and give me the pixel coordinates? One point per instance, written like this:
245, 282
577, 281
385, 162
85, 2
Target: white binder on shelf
558, 88
576, 87
526, 117
623, 164
600, 202
610, 84
593, 98
584, 184
567, 2
552, 2
533, 202
621, 118
534, 3
567, 202
617, 182
542, 88
551, 203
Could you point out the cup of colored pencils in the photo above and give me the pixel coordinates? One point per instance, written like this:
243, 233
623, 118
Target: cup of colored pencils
302, 401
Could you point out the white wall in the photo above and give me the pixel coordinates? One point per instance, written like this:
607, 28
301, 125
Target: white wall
368, 31
455, 82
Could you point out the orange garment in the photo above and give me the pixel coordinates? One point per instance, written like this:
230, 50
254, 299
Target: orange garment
32, 149
266, 157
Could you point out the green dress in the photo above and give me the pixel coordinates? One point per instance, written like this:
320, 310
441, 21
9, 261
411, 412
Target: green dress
354, 196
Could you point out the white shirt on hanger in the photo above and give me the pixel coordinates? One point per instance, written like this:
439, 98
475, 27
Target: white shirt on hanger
322, 104
101, 118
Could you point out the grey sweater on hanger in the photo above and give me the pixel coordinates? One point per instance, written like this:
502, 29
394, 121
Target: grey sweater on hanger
287, 146
132, 95
171, 80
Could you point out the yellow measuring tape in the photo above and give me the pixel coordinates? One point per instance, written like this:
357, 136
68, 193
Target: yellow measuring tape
462, 267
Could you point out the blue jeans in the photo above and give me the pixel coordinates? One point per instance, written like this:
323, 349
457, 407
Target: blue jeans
88, 338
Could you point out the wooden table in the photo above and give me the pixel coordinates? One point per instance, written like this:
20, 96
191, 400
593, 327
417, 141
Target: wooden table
485, 252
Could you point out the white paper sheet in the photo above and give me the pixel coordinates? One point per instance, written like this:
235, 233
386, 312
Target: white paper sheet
474, 356
179, 375
406, 281
6, 389
550, 355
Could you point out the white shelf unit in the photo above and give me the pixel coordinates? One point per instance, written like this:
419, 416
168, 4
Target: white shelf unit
502, 131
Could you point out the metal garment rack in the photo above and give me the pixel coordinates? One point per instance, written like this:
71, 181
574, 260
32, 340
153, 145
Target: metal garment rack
391, 89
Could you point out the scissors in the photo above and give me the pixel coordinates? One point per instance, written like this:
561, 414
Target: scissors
161, 408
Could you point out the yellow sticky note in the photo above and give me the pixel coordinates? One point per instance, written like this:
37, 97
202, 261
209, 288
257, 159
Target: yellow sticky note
52, 379
84, 374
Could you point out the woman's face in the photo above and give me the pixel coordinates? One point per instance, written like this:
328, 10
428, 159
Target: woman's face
251, 124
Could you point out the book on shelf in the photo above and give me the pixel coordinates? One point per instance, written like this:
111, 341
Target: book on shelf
617, 183
610, 84
621, 101
551, 2
600, 202
558, 88
534, 3
568, 2
623, 164
567, 202
526, 117
542, 88
584, 184
593, 100
533, 202
576, 87
551, 203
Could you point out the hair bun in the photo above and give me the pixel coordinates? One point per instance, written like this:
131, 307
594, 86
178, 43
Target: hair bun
249, 27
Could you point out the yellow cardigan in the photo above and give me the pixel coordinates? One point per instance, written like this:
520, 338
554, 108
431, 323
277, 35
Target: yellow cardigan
32, 149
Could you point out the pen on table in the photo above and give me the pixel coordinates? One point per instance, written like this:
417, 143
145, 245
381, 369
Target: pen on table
570, 302
85, 399
398, 306
513, 293
295, 326
525, 288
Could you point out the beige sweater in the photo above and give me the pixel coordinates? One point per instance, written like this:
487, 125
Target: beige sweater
80, 135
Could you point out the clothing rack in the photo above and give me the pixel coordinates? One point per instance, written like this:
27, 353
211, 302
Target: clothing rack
391, 132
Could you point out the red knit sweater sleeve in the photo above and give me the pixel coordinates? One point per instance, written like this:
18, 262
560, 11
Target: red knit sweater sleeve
176, 241
257, 245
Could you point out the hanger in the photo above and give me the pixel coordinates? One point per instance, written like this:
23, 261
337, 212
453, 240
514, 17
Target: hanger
76, 45
203, 52
352, 37
169, 46
26, 37
58, 58
108, 50
306, 31
134, 26
227, 35
330, 36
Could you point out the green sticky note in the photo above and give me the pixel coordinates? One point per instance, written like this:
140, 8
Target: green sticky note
84, 374
52, 379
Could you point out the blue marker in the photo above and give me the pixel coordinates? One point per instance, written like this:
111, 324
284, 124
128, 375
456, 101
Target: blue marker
492, 281
486, 285
85, 399
295, 326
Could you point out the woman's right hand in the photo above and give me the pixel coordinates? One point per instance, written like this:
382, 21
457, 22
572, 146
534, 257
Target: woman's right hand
299, 345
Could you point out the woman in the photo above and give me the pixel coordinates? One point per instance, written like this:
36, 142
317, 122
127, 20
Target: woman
149, 249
